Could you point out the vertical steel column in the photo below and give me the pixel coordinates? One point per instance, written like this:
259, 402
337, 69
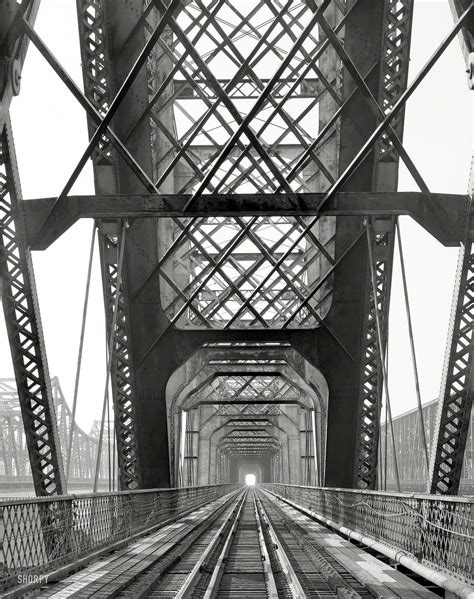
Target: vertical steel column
455, 403
121, 363
392, 82
20, 305
370, 399
97, 86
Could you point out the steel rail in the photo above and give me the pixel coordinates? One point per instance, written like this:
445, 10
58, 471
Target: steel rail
288, 570
214, 586
331, 573
193, 578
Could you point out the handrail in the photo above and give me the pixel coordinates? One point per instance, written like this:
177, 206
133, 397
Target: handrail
434, 530
40, 535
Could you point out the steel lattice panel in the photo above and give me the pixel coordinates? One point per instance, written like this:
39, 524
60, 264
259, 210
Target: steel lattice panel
216, 51
371, 367
455, 405
95, 68
219, 123
97, 76
272, 388
393, 81
122, 375
24, 331
246, 272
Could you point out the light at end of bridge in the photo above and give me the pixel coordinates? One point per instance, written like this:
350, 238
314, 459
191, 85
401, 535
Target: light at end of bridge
250, 480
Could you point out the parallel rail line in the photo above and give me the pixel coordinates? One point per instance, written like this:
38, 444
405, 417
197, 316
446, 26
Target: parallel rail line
246, 544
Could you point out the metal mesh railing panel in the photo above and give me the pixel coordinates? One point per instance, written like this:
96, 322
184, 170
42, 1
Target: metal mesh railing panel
41, 535
438, 532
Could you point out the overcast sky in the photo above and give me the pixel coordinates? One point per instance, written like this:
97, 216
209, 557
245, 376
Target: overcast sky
51, 134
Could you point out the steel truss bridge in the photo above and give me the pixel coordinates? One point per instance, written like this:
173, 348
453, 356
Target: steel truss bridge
245, 160
15, 468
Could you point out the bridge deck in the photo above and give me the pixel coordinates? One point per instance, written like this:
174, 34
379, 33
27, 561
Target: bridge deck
248, 544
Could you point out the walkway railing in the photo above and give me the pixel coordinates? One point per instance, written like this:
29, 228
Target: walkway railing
44, 534
436, 531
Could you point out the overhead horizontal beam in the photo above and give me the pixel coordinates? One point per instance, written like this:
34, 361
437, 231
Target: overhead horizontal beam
440, 214
239, 402
249, 418
249, 438
248, 373
248, 430
247, 88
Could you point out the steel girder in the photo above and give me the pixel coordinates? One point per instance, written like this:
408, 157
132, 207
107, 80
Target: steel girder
121, 365
455, 403
392, 83
145, 255
442, 220
25, 334
370, 398
98, 87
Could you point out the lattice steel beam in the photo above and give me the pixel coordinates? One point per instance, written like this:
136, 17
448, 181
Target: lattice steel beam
97, 76
122, 365
392, 83
455, 403
370, 400
25, 334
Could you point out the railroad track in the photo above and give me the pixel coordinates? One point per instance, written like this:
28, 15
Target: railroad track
249, 544
318, 572
228, 557
248, 550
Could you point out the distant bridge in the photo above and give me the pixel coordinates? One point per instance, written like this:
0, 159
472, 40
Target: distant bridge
15, 468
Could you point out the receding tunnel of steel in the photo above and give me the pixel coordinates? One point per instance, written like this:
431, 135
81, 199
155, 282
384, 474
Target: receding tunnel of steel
236, 404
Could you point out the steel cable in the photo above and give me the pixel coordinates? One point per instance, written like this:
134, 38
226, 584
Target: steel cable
412, 345
381, 350
80, 351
